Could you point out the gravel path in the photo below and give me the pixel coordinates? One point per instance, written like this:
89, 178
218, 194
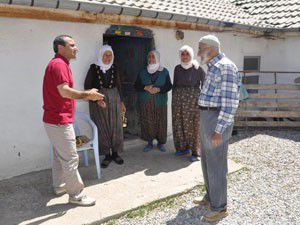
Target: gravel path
266, 191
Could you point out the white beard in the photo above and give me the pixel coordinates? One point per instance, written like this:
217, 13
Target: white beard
204, 59
203, 62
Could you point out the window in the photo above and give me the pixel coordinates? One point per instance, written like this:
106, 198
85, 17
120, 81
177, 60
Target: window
252, 63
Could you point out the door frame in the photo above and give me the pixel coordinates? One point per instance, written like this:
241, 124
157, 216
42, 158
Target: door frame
134, 32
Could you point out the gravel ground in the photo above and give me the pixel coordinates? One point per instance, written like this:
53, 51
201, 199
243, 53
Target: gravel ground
266, 191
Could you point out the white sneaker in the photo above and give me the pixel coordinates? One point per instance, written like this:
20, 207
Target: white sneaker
59, 191
84, 201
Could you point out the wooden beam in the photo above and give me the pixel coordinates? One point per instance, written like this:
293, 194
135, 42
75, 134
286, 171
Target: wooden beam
267, 124
272, 86
269, 104
265, 114
29, 12
268, 72
274, 96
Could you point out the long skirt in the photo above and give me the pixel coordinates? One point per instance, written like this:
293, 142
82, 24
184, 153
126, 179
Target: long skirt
108, 121
186, 119
153, 121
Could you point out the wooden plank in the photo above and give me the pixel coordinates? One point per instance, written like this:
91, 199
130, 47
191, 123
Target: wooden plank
269, 104
274, 96
268, 72
264, 114
267, 123
272, 86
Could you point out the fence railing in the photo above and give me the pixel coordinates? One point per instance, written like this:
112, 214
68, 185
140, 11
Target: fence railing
275, 103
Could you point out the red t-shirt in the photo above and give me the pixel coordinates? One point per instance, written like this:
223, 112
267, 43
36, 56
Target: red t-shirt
57, 110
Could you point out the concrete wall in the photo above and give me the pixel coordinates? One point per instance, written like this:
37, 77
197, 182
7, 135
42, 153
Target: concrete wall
26, 47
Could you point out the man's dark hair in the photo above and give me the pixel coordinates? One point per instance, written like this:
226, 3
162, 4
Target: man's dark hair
59, 40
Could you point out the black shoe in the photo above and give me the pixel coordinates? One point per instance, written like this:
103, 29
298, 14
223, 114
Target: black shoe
117, 158
234, 132
106, 161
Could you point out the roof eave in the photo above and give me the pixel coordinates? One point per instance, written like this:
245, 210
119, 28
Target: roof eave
98, 7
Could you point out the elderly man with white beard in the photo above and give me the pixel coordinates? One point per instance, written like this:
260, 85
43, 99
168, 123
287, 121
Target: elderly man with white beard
218, 103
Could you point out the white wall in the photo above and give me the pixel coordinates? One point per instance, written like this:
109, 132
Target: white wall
26, 48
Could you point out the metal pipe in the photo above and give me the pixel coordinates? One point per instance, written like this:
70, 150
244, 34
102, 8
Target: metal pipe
140, 13
121, 11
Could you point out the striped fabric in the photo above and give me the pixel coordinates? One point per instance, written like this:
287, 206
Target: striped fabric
108, 121
154, 121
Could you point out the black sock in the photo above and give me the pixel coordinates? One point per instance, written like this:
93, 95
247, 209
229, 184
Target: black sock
107, 156
115, 154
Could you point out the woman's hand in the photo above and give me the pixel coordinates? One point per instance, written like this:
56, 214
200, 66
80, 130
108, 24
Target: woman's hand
148, 88
154, 90
101, 103
123, 108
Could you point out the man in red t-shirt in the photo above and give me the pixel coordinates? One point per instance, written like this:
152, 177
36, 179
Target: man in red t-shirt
59, 106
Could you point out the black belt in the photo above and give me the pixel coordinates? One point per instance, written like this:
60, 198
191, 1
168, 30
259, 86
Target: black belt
209, 108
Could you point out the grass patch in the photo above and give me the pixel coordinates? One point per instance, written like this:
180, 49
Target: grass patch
111, 222
141, 211
243, 170
203, 189
169, 202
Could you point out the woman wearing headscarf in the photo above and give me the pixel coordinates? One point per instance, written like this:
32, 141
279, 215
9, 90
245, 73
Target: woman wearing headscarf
104, 76
188, 77
152, 86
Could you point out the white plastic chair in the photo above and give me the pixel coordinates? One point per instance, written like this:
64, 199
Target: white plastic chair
91, 145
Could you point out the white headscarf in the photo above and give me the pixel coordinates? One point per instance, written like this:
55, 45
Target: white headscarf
99, 62
192, 62
152, 68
